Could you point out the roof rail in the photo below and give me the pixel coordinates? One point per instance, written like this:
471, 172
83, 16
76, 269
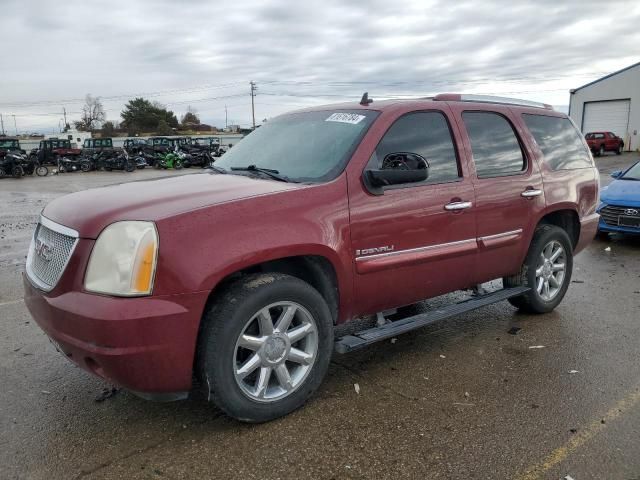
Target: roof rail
456, 97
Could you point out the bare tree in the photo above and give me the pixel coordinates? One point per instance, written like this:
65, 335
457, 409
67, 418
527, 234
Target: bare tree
92, 115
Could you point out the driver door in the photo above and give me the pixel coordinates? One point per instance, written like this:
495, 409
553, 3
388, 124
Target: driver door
418, 240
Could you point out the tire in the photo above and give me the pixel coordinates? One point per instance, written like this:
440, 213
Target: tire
129, 168
85, 166
534, 301
602, 235
177, 165
619, 150
2, 173
42, 171
600, 151
220, 354
17, 172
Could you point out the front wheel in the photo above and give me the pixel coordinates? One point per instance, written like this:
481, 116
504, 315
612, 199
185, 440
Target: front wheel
17, 172
600, 151
265, 346
546, 269
42, 171
85, 166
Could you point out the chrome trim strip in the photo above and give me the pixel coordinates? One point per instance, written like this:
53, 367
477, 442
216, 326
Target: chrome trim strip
500, 235
56, 227
416, 250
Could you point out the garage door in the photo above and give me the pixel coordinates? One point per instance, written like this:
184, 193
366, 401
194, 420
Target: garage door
607, 117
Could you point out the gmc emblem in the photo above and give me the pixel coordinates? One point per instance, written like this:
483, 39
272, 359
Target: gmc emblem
43, 250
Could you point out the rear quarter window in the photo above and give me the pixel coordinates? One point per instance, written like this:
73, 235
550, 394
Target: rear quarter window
559, 140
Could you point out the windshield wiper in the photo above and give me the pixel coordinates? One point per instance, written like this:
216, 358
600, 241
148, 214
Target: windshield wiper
217, 169
275, 174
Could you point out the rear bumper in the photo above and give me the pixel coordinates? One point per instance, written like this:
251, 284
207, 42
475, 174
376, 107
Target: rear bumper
145, 345
588, 230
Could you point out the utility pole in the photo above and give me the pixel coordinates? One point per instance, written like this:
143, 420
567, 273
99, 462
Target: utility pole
226, 121
64, 111
2, 123
14, 125
253, 108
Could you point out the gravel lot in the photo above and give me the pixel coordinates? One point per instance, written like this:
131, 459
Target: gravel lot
462, 399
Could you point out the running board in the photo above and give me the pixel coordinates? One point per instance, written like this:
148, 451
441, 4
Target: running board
359, 340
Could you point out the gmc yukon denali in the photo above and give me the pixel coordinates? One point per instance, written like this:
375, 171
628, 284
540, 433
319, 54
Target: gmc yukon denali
237, 281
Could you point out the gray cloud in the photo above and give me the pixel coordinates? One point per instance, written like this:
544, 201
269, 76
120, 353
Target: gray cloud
300, 53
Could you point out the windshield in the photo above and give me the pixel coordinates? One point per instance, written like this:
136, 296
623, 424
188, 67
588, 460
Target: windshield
9, 144
304, 147
633, 173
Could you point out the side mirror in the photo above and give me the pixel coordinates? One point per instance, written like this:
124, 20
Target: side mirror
397, 169
616, 174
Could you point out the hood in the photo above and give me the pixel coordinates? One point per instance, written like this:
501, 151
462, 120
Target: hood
90, 211
623, 192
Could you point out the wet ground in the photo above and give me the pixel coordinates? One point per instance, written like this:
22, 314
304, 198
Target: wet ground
462, 399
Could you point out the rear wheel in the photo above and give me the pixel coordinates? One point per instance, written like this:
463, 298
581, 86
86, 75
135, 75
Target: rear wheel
546, 269
85, 166
17, 172
265, 346
619, 150
42, 171
600, 151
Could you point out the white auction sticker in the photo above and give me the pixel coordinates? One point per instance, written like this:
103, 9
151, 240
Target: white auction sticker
352, 118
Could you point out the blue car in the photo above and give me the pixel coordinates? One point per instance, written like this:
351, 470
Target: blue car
620, 202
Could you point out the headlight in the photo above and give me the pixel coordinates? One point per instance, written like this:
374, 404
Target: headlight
123, 260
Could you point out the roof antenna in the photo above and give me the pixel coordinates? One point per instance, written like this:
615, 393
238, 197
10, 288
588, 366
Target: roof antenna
365, 99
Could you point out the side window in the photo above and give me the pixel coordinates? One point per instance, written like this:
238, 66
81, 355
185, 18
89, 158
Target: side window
108, 142
495, 147
86, 143
428, 135
559, 141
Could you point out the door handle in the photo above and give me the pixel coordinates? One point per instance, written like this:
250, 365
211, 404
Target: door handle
531, 193
457, 206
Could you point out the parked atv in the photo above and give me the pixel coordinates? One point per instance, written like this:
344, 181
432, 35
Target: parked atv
11, 165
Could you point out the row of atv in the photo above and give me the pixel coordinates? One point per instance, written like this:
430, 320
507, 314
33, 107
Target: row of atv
100, 154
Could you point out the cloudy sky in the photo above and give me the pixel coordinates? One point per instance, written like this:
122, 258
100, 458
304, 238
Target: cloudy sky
204, 53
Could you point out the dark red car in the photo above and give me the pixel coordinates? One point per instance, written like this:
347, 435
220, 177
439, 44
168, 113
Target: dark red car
243, 277
601, 142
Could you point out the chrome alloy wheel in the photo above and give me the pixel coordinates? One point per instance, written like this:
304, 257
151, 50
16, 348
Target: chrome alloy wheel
275, 351
550, 270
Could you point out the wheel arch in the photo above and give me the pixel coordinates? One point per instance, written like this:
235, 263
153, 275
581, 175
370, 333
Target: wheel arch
566, 218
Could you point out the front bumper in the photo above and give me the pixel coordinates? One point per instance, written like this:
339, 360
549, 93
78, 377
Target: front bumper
146, 344
605, 227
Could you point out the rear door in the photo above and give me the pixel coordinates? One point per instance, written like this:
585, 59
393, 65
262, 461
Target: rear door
414, 241
508, 187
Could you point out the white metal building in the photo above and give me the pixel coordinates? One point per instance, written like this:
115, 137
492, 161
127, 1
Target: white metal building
610, 104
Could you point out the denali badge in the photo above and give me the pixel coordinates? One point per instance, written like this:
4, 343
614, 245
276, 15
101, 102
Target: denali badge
369, 251
631, 211
43, 250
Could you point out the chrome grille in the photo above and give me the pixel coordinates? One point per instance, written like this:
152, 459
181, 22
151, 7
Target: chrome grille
610, 214
49, 253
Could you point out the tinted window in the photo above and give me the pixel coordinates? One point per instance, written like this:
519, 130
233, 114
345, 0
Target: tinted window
559, 141
495, 147
428, 135
598, 135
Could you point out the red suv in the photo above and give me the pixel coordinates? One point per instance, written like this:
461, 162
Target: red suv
600, 142
243, 276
